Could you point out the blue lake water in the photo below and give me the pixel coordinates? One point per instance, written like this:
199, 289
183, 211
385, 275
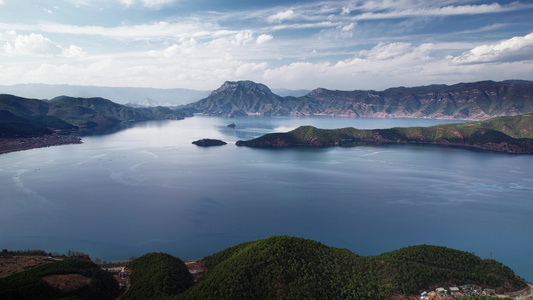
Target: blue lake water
147, 188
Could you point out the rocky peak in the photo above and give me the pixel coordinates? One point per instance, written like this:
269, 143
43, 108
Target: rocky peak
247, 85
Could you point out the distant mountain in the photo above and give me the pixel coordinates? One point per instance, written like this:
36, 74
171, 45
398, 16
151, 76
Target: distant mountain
32, 117
241, 98
282, 267
290, 93
137, 97
494, 135
475, 101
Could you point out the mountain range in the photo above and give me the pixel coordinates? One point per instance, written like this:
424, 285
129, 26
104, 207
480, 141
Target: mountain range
467, 101
24, 117
131, 96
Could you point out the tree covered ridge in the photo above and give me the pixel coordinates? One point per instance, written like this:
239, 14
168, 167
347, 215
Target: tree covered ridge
296, 268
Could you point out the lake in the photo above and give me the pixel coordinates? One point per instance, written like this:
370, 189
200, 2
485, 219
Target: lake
144, 187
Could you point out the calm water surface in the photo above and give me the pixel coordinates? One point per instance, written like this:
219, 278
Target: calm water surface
147, 188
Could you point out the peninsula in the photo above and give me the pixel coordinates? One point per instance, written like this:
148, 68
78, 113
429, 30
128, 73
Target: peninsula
501, 134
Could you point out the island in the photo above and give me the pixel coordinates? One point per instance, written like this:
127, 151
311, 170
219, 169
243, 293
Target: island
500, 134
209, 142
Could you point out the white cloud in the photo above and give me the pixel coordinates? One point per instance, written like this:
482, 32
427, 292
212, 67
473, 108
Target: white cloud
37, 45
185, 47
345, 11
385, 65
32, 44
348, 27
243, 37
442, 11
519, 48
263, 38
147, 3
281, 16
384, 51
73, 51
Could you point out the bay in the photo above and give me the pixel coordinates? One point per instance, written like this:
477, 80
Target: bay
144, 187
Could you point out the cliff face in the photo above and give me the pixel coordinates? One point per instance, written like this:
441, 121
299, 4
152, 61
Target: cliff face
478, 100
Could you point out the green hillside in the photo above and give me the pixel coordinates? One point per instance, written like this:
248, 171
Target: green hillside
282, 267
279, 267
500, 134
38, 117
30, 284
157, 275
516, 126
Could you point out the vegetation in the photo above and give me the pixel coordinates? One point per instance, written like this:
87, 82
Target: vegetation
157, 275
278, 267
490, 135
412, 268
30, 284
294, 268
23, 117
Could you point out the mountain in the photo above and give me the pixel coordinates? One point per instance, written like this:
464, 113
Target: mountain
475, 101
22, 117
290, 93
282, 267
240, 98
132, 96
491, 135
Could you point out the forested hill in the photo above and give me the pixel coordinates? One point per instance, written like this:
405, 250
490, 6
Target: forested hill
23, 117
472, 101
284, 267
500, 134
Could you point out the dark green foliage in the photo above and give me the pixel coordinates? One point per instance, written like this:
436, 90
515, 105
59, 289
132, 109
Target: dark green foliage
413, 268
30, 285
284, 267
36, 252
23, 107
157, 275
53, 122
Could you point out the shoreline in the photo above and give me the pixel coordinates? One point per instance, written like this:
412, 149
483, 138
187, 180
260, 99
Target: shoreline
8, 145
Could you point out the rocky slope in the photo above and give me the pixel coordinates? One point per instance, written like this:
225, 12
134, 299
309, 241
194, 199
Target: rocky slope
241, 98
475, 101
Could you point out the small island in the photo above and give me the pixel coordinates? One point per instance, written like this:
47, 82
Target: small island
209, 142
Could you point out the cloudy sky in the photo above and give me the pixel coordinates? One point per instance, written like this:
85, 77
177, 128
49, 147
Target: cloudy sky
199, 44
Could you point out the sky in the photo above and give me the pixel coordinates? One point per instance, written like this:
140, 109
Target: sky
200, 44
